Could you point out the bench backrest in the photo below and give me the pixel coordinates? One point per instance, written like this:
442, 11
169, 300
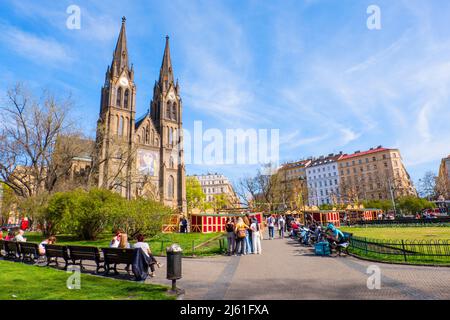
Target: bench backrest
11, 246
116, 255
83, 253
29, 248
52, 251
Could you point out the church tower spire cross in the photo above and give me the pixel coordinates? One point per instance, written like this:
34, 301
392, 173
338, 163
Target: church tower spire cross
166, 72
120, 56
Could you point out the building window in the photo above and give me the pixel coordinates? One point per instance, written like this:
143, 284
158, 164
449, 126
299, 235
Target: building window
168, 110
125, 99
170, 135
119, 97
171, 163
174, 111
170, 187
120, 128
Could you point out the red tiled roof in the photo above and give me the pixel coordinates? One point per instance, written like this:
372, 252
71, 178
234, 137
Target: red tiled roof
353, 155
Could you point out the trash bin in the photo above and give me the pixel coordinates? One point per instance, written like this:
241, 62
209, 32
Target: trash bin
174, 254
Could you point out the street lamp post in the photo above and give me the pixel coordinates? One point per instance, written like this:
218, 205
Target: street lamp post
392, 195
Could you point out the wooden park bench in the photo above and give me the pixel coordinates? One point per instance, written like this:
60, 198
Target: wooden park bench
82, 253
29, 251
12, 250
53, 252
115, 256
2, 247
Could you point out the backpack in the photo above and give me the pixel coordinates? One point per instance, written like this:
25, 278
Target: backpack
241, 233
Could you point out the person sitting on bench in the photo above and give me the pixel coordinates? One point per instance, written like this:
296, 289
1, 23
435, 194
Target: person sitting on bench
50, 240
146, 248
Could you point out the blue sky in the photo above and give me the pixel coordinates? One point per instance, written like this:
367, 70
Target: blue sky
309, 68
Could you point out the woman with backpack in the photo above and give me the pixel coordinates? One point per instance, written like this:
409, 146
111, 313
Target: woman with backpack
241, 232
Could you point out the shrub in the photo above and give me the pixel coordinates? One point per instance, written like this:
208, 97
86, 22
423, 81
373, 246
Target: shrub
140, 216
79, 212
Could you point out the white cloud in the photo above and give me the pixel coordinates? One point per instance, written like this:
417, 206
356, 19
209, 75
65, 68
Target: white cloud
33, 47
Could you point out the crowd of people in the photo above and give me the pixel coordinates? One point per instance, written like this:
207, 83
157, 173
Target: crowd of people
18, 235
120, 240
244, 235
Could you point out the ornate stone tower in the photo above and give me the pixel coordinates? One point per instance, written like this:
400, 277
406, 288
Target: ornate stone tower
166, 110
116, 124
143, 157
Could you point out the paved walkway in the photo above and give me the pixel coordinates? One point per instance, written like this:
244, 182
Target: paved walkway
287, 270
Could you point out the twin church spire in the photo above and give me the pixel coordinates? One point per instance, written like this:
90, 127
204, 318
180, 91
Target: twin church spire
121, 59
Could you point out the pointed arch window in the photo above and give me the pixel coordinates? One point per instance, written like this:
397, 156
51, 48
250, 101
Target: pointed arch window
170, 187
168, 110
125, 127
120, 127
170, 135
174, 111
119, 97
125, 98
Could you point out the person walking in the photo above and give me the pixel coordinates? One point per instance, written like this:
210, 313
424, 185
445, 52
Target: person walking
240, 231
281, 226
231, 236
256, 236
248, 235
271, 225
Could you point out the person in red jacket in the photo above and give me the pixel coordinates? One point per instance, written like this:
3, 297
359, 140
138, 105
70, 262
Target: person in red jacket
24, 224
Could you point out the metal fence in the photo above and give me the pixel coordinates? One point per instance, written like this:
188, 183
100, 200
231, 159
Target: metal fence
406, 221
195, 247
414, 251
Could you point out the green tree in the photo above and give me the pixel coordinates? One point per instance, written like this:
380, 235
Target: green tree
140, 216
384, 205
413, 205
82, 213
221, 201
195, 197
326, 206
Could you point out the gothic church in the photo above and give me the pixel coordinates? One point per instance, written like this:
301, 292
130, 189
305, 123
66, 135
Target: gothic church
141, 156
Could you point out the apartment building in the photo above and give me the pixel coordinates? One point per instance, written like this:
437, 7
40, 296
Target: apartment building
322, 176
377, 173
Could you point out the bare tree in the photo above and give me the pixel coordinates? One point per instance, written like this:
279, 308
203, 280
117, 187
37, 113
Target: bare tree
33, 158
427, 185
263, 190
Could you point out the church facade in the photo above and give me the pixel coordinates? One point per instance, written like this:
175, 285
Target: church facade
141, 157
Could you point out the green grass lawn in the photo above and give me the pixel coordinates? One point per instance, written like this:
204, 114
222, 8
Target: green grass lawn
158, 244
401, 233
26, 282
419, 254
